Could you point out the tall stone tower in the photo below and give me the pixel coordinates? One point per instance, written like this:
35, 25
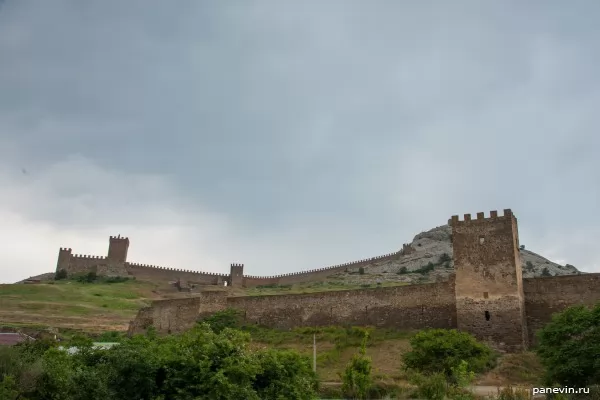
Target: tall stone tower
489, 279
117, 249
236, 276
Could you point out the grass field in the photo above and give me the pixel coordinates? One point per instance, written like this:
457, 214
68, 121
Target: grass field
69, 304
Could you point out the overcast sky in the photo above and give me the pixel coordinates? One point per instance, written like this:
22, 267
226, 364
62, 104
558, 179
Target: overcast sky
291, 135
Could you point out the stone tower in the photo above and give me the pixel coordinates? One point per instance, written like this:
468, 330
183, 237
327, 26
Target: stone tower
117, 249
489, 279
236, 277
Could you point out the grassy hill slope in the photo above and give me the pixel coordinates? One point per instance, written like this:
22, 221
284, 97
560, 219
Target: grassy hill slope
70, 304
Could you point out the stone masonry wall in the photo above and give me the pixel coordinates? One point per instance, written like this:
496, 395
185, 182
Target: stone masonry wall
177, 315
154, 273
548, 295
402, 307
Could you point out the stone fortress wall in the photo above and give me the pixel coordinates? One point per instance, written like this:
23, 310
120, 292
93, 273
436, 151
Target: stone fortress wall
487, 296
116, 264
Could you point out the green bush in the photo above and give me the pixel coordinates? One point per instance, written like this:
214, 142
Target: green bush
402, 271
442, 350
357, 378
425, 269
199, 364
568, 347
445, 258
60, 274
430, 386
219, 321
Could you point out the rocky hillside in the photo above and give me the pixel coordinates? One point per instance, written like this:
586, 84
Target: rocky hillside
432, 260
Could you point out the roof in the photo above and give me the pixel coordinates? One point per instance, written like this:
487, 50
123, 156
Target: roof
10, 338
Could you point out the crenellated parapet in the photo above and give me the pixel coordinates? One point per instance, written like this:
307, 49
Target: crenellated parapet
160, 268
480, 218
351, 264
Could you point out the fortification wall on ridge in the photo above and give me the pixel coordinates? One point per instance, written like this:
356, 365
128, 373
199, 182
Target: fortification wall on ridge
545, 296
153, 273
78, 263
402, 307
317, 274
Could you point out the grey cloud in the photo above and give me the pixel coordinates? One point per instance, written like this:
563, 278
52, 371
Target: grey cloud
383, 118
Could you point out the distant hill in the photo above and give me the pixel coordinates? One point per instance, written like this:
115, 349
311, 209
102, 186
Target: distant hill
433, 247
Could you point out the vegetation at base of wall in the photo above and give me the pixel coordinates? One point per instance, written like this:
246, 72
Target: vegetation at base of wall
92, 277
444, 350
60, 274
197, 364
568, 347
524, 368
357, 378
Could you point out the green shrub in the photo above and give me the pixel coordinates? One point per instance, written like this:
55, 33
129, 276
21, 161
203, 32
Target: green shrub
230, 318
357, 378
569, 345
442, 350
425, 269
430, 386
60, 274
402, 271
445, 258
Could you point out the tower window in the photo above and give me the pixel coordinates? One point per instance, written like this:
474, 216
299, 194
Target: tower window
487, 315
481, 239
485, 295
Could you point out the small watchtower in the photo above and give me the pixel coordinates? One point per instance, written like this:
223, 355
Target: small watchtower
236, 275
489, 279
117, 249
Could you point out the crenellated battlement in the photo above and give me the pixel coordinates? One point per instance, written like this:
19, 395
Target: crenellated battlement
118, 238
157, 267
480, 217
116, 260
88, 257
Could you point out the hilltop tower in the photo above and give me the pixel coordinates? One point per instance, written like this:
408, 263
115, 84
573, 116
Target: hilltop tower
117, 249
489, 279
64, 259
236, 275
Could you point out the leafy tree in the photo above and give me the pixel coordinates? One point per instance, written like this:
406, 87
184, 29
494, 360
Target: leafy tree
357, 379
569, 347
285, 374
197, 364
442, 350
229, 318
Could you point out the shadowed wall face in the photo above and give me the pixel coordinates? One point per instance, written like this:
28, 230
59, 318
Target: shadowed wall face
236, 277
546, 296
489, 281
404, 307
